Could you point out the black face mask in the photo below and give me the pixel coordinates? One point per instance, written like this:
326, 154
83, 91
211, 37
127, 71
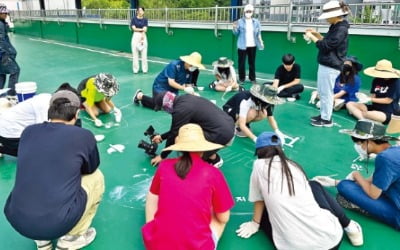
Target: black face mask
347, 69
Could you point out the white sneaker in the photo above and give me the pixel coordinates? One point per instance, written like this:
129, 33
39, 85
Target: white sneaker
73, 242
44, 245
338, 104
354, 232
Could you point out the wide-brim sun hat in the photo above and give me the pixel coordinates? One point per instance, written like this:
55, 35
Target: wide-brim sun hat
3, 9
355, 62
222, 62
193, 59
383, 69
106, 84
191, 139
367, 129
266, 93
332, 9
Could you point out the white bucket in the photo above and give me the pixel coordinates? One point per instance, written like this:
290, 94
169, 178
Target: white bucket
25, 90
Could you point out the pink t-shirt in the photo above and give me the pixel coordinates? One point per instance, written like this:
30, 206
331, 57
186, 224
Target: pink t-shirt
185, 206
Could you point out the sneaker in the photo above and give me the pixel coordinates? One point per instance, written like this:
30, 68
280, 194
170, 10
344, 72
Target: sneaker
211, 85
239, 132
296, 96
135, 98
241, 89
44, 245
70, 242
322, 123
354, 233
241, 82
291, 99
338, 105
315, 118
217, 162
343, 202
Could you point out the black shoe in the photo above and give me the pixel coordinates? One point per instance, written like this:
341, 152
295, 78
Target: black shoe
241, 89
135, 98
322, 123
315, 118
211, 85
217, 162
241, 82
296, 96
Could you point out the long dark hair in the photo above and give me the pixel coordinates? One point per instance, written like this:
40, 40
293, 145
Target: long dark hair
259, 104
348, 78
268, 153
183, 166
224, 71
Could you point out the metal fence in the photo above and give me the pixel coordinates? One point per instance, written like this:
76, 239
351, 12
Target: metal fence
387, 14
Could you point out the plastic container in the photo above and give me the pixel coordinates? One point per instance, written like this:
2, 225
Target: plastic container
25, 90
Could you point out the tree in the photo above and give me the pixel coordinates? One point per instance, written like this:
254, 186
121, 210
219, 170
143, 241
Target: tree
105, 4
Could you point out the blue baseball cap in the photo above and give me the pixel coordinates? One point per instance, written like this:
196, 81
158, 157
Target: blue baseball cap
266, 139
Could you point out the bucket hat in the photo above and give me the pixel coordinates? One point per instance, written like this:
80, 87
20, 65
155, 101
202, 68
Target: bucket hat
382, 69
266, 139
193, 59
333, 9
367, 129
355, 62
106, 84
266, 93
222, 62
3, 9
191, 139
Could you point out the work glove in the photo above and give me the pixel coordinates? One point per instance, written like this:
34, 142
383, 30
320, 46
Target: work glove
189, 90
98, 123
325, 181
280, 135
307, 38
117, 114
280, 88
255, 139
350, 176
313, 97
247, 229
363, 98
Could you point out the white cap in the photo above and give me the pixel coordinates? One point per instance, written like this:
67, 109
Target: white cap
248, 7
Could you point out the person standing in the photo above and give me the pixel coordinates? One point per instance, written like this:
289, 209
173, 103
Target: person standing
58, 186
189, 201
8, 54
332, 50
248, 31
139, 44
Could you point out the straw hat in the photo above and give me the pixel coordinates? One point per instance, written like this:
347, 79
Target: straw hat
193, 59
223, 62
266, 93
383, 69
367, 129
332, 9
191, 139
106, 84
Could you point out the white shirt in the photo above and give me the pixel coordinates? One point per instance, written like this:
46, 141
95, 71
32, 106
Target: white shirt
297, 221
15, 119
245, 106
250, 33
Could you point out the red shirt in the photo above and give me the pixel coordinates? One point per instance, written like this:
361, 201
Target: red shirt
185, 206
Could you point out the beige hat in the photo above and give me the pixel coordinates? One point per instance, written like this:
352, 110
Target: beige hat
333, 9
193, 59
191, 139
382, 69
266, 93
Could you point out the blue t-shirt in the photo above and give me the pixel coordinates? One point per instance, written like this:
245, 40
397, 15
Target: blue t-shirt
387, 173
139, 22
47, 200
350, 88
174, 70
386, 88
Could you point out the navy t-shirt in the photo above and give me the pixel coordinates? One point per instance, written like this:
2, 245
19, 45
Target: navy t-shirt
174, 70
139, 22
47, 200
285, 76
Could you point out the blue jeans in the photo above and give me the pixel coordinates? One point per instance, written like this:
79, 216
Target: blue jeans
382, 208
325, 83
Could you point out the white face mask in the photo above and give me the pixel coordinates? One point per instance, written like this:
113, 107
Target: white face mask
362, 152
192, 68
248, 15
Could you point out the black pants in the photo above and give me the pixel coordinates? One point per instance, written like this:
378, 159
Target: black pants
251, 53
9, 146
290, 92
324, 200
13, 79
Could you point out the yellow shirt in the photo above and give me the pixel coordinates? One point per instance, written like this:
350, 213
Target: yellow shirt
91, 94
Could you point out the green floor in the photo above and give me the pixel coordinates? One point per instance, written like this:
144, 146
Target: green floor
321, 151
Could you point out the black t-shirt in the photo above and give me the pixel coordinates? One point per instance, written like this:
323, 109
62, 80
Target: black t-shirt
47, 200
285, 76
386, 88
217, 126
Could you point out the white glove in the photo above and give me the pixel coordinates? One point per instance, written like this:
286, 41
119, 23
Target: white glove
325, 181
313, 97
280, 88
228, 89
363, 98
98, 123
189, 90
247, 229
350, 176
117, 114
307, 38
280, 135
255, 139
